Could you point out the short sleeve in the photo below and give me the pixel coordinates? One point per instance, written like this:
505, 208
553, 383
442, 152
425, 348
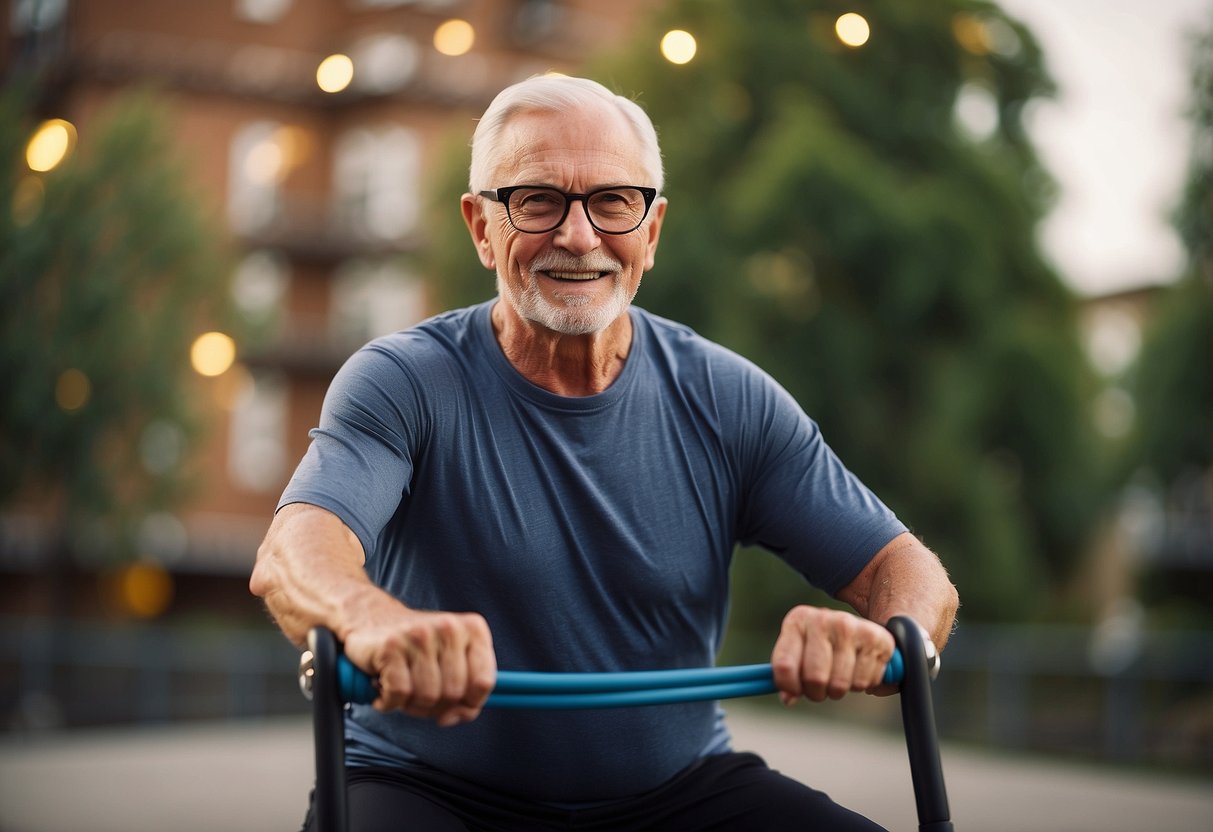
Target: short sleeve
361, 456
800, 500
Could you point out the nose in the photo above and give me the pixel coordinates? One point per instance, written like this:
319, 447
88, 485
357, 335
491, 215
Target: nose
575, 234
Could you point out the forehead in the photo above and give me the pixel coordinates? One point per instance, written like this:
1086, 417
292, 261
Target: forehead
572, 149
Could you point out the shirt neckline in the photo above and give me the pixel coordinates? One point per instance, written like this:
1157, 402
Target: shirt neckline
518, 384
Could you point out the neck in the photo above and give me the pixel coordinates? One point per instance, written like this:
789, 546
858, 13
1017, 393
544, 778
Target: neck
567, 365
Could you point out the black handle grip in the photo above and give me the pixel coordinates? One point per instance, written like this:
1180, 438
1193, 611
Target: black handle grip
918, 723
328, 730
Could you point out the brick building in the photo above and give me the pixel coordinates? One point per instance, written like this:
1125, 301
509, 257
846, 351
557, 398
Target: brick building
321, 193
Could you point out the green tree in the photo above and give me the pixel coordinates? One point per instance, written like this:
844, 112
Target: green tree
109, 268
830, 220
1174, 378
1172, 381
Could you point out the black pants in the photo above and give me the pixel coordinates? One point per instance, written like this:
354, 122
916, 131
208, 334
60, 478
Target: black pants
735, 792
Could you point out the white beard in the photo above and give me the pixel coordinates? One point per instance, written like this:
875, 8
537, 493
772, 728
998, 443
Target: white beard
573, 314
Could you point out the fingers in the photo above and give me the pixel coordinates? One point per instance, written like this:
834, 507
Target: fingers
824, 654
439, 666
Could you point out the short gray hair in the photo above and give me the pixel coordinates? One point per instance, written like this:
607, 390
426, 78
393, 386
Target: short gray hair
555, 93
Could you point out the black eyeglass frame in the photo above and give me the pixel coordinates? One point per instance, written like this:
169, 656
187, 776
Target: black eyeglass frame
502, 195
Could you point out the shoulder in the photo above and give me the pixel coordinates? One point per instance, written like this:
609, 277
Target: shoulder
677, 339
418, 369
702, 363
436, 345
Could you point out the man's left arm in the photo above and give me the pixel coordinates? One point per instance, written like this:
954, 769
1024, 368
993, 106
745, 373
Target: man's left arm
905, 578
824, 653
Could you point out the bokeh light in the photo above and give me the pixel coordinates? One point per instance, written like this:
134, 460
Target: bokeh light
454, 37
335, 73
972, 35
143, 590
852, 29
50, 145
212, 353
678, 46
72, 390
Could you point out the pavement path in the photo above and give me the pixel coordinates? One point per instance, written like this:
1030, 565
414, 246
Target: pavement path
254, 776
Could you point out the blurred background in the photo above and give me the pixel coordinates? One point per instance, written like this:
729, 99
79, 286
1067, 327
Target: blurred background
973, 240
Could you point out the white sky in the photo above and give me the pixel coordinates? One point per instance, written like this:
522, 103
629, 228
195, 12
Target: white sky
1115, 138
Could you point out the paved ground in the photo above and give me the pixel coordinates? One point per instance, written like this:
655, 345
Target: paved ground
254, 776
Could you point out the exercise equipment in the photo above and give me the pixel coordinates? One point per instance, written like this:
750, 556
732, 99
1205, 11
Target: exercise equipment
331, 681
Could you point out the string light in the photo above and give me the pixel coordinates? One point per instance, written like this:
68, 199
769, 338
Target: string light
454, 37
212, 353
852, 29
335, 73
678, 46
50, 144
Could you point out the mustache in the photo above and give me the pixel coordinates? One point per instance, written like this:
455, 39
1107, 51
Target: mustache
557, 261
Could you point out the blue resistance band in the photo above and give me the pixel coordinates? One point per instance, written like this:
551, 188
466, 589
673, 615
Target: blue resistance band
566, 691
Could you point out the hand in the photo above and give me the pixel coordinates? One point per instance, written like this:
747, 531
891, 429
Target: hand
827, 653
436, 665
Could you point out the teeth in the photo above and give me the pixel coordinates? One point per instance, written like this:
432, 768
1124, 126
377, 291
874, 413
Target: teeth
574, 275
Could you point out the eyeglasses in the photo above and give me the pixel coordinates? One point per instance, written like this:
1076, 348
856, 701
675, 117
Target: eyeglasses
538, 210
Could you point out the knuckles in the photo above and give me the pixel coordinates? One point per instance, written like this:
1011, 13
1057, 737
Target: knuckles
428, 667
828, 653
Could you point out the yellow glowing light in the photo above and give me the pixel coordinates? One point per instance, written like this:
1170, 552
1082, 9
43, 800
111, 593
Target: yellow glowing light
72, 390
144, 589
972, 34
50, 144
454, 37
678, 47
335, 73
852, 29
212, 353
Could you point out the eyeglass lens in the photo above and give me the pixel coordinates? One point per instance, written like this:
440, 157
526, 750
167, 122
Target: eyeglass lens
614, 210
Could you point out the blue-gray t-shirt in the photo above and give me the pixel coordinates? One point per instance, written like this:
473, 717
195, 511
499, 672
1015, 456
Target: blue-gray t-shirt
593, 533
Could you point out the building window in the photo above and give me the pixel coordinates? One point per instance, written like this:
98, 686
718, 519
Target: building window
257, 447
262, 11
386, 62
377, 187
259, 288
256, 165
370, 299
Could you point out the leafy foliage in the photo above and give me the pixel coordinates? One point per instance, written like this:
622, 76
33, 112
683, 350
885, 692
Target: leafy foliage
1171, 449
1174, 376
108, 270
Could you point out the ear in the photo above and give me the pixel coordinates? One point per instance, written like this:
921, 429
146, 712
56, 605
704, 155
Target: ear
656, 217
477, 225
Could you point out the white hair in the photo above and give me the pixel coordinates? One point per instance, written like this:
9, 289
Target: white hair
554, 93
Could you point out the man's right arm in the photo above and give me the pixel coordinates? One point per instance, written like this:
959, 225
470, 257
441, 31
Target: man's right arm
309, 571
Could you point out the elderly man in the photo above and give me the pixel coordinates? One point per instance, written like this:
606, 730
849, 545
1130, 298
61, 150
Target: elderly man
556, 480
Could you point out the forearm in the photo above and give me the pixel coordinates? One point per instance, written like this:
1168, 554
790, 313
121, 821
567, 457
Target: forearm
309, 571
906, 578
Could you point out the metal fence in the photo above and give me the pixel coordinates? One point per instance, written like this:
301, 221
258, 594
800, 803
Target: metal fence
1136, 697
59, 674
1130, 696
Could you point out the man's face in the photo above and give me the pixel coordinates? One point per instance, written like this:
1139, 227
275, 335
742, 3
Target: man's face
573, 280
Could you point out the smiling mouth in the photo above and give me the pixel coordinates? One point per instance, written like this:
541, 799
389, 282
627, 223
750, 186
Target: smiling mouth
574, 277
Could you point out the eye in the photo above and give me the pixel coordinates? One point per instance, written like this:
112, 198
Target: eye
537, 200
620, 202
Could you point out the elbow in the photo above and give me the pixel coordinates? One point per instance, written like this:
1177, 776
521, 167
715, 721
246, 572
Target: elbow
949, 607
261, 581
